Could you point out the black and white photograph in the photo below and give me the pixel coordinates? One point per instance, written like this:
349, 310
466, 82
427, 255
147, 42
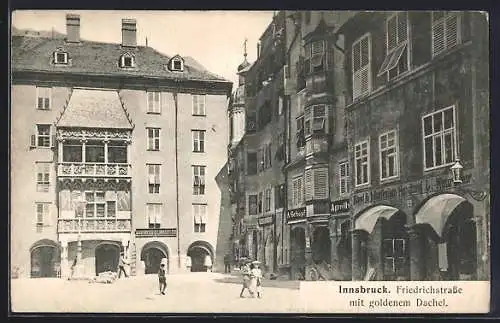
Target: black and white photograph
249, 161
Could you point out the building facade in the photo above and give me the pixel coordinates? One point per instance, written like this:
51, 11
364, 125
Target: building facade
418, 144
102, 159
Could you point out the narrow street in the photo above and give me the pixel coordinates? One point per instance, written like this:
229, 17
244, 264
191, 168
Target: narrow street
188, 293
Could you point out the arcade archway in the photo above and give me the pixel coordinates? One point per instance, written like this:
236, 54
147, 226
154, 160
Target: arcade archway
321, 245
199, 251
152, 254
298, 251
107, 255
45, 259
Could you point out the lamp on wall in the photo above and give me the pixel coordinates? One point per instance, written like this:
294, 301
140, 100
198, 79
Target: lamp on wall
456, 171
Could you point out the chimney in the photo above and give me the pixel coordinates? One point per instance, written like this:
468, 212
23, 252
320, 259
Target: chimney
73, 28
129, 30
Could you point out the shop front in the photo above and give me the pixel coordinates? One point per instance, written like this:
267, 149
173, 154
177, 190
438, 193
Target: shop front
341, 249
299, 242
266, 223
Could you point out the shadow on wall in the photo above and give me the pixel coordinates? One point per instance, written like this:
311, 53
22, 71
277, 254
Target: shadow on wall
223, 244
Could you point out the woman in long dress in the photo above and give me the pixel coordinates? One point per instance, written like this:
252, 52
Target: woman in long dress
256, 278
245, 271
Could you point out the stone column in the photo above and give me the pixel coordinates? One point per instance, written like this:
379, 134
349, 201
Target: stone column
416, 253
65, 269
60, 151
357, 261
308, 249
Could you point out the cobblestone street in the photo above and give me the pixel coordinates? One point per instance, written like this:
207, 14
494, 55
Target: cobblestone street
194, 292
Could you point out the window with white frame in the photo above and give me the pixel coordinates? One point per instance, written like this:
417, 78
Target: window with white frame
394, 257
316, 183
315, 119
344, 178
43, 135
445, 31
95, 204
267, 199
315, 56
60, 57
362, 159
127, 60
154, 213
361, 69
43, 176
154, 178
199, 180
198, 140
200, 217
252, 204
153, 138
43, 95
389, 167
154, 102
42, 215
439, 130
397, 48
297, 192
199, 105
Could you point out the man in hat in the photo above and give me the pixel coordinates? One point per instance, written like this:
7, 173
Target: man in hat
121, 265
162, 278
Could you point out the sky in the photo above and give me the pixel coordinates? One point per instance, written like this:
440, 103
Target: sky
213, 38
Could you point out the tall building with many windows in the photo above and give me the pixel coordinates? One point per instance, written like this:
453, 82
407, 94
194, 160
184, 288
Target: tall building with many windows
115, 147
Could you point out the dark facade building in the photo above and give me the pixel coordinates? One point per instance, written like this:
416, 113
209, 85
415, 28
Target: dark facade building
417, 114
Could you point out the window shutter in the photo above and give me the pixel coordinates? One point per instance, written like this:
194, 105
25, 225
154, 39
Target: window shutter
53, 141
451, 28
402, 28
438, 38
321, 183
32, 141
150, 101
392, 26
309, 184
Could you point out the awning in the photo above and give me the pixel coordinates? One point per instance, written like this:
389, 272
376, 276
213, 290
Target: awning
436, 211
90, 108
368, 219
197, 219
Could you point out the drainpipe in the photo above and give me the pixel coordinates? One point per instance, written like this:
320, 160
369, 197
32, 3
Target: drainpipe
177, 179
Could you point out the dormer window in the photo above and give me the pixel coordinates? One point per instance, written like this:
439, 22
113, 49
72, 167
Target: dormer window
176, 64
60, 57
127, 60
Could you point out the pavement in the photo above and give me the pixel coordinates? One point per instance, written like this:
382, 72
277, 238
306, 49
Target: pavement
186, 293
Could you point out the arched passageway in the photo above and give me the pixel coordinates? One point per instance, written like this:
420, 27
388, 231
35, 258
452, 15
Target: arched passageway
152, 254
321, 245
45, 259
106, 257
199, 251
298, 249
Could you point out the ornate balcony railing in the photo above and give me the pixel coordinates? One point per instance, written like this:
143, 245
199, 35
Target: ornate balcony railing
162, 232
94, 170
93, 225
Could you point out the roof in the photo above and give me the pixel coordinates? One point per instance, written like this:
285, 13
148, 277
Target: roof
90, 57
88, 108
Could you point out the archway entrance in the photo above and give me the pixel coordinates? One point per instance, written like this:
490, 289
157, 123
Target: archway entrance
106, 257
321, 245
298, 252
199, 251
45, 259
152, 254
395, 248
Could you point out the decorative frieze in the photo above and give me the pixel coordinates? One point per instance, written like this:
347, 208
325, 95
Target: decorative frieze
97, 134
93, 225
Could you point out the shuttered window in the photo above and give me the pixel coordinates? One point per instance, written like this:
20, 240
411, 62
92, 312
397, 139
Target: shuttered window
43, 98
344, 178
396, 60
445, 31
298, 192
309, 184
154, 102
361, 71
316, 184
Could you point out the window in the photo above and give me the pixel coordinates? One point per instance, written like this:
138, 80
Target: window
300, 135
117, 152
154, 102
362, 158
60, 57
252, 204
396, 60
316, 183
265, 154
315, 119
127, 60
200, 217
154, 213
280, 150
177, 65
43, 176
199, 105
251, 163
361, 71
267, 202
315, 56
43, 97
394, 257
439, 138
389, 167
154, 178
42, 215
198, 141
96, 205
94, 152
43, 135
199, 180
153, 138
297, 192
445, 31
72, 151
344, 178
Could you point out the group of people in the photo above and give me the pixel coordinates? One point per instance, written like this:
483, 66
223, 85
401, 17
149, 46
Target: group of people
252, 279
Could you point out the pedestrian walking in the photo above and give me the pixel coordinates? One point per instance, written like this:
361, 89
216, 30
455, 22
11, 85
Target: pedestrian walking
162, 279
121, 265
227, 263
73, 268
245, 271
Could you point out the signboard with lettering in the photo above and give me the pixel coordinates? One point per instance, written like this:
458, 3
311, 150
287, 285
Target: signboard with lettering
340, 206
296, 214
424, 186
266, 220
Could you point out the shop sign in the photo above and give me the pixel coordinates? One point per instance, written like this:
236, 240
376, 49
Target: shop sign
266, 220
296, 214
340, 206
427, 185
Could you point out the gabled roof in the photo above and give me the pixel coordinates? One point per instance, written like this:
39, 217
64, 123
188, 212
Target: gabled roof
90, 57
89, 108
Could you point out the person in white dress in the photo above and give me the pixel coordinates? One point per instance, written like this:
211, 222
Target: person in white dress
256, 276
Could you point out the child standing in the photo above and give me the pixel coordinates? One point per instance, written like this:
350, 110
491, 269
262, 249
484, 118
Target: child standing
256, 274
162, 279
